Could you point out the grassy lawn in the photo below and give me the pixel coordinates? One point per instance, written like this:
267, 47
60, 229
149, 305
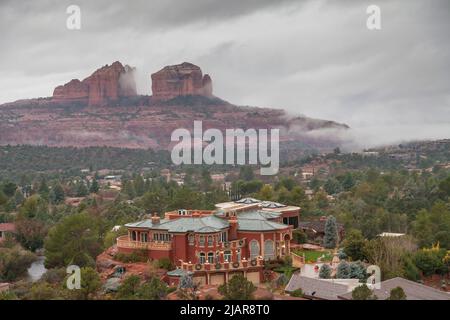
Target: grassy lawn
312, 255
285, 269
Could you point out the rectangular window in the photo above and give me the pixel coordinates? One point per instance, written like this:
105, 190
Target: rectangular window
210, 241
227, 256
224, 237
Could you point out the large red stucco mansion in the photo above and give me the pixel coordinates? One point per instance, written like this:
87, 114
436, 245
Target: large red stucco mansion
213, 245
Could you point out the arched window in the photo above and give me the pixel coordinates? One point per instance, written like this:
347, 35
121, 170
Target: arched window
269, 250
227, 256
202, 257
202, 240
210, 241
191, 239
211, 257
254, 249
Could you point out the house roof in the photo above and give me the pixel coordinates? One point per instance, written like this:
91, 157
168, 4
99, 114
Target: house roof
259, 225
206, 224
317, 288
247, 221
318, 226
7, 227
413, 290
255, 214
272, 205
248, 200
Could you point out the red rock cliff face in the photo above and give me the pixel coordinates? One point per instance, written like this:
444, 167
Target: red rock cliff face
180, 80
105, 85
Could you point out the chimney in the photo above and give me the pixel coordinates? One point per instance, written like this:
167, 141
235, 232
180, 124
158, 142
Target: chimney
233, 227
155, 219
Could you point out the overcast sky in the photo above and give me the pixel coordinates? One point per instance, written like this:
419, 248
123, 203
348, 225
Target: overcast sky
315, 58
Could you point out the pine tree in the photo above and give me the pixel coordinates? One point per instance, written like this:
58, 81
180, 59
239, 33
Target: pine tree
325, 271
94, 186
331, 237
343, 270
397, 294
363, 292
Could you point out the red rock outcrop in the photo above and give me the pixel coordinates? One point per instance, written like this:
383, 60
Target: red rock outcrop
105, 85
74, 90
180, 80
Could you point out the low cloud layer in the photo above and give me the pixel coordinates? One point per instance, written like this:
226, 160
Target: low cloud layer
315, 57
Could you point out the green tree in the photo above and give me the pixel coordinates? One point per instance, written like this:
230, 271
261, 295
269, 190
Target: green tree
363, 292
129, 288
90, 282
430, 261
185, 198
298, 198
139, 185
31, 233
246, 173
287, 183
354, 245
410, 270
14, 263
74, 240
81, 189
325, 271
397, 294
206, 180
57, 194
266, 193
153, 289
9, 188
357, 271
343, 270
43, 189
332, 186
155, 201
330, 238
348, 182
238, 288
43, 291
94, 186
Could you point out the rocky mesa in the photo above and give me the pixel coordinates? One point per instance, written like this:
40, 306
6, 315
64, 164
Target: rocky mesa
104, 110
103, 87
180, 80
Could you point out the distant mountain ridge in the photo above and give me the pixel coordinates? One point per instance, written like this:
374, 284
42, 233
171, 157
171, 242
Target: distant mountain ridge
104, 110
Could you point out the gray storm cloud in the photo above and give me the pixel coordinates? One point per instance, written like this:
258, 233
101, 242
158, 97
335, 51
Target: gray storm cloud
311, 57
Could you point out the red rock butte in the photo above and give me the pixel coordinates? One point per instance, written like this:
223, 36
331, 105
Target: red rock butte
104, 86
180, 80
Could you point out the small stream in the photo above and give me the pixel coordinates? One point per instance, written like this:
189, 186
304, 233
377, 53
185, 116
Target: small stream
37, 269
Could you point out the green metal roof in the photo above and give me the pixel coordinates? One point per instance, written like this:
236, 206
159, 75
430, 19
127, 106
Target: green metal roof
259, 225
259, 215
206, 224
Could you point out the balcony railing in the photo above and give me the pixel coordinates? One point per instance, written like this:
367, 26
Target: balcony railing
233, 244
125, 242
222, 266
